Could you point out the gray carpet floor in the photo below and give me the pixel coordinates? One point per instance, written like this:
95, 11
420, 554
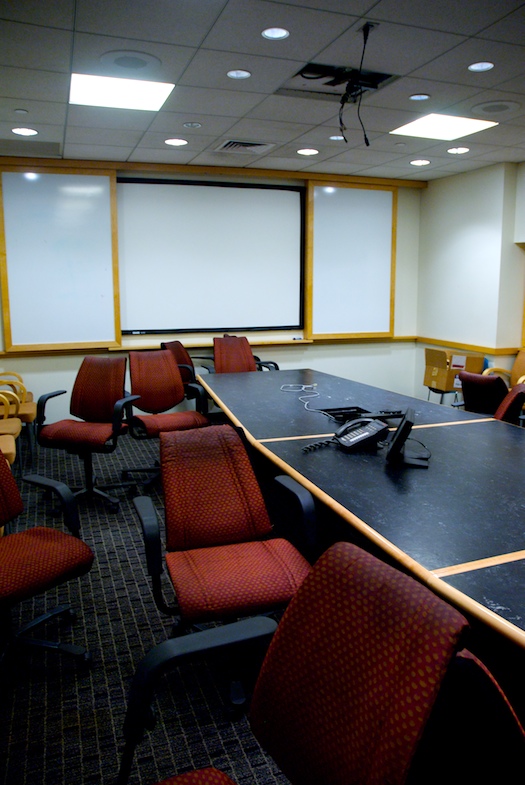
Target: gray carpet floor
61, 722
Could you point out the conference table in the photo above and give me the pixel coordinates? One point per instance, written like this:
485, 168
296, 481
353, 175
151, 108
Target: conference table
458, 525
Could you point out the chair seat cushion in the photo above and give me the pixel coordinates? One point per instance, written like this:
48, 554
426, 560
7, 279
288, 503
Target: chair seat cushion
38, 559
211, 583
149, 426
202, 777
75, 434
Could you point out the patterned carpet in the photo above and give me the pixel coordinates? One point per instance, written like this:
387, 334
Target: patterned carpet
62, 723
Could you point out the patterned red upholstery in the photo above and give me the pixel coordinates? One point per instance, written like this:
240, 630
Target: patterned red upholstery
10, 500
38, 559
355, 667
181, 358
155, 376
233, 354
202, 777
215, 521
98, 386
196, 470
511, 406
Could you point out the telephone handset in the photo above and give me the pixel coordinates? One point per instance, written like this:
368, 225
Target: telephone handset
363, 432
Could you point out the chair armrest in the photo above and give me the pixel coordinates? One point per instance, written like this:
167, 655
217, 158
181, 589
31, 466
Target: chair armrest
66, 496
496, 370
41, 405
195, 391
302, 500
121, 406
257, 630
268, 364
149, 521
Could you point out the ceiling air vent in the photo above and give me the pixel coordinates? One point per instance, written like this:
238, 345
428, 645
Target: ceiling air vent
29, 149
236, 146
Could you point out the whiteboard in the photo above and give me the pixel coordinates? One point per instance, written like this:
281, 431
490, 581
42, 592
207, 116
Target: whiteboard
352, 260
59, 260
208, 257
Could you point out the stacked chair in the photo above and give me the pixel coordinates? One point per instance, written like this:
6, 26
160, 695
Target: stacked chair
365, 681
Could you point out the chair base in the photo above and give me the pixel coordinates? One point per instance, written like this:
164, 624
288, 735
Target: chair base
22, 636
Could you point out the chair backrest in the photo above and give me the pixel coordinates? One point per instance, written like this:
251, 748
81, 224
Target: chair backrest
233, 354
10, 500
482, 394
98, 386
352, 672
155, 376
182, 358
211, 493
518, 368
511, 406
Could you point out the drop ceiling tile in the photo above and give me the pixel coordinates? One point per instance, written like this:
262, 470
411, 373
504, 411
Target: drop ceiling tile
155, 141
28, 46
209, 68
90, 152
510, 29
102, 136
59, 13
173, 123
227, 103
167, 63
300, 110
391, 49
178, 23
466, 17
46, 133
240, 25
396, 95
453, 65
104, 117
37, 111
174, 156
26, 83
266, 130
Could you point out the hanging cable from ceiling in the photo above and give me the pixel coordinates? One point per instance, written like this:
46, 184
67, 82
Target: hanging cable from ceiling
354, 89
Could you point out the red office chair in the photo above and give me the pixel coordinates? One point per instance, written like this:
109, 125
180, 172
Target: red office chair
482, 394
35, 560
348, 690
511, 407
192, 390
220, 557
233, 354
99, 401
157, 383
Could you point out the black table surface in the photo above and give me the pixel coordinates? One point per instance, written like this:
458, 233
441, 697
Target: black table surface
466, 506
272, 404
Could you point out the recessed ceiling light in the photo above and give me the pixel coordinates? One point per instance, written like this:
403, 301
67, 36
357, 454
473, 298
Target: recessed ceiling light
337, 138
442, 126
176, 142
420, 162
481, 66
419, 97
192, 125
114, 93
308, 151
238, 73
458, 150
24, 131
21, 111
275, 33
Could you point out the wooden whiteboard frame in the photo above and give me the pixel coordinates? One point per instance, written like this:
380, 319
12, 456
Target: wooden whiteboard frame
51, 297
345, 234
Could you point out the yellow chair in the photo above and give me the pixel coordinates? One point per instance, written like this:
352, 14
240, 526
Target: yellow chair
516, 375
13, 376
26, 410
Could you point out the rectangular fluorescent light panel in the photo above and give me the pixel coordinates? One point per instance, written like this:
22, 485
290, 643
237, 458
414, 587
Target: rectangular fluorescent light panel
442, 126
116, 93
